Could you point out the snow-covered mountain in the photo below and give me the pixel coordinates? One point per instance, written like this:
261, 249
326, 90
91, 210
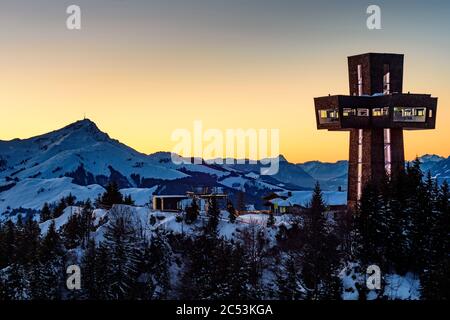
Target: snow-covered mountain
334, 175
80, 159
81, 151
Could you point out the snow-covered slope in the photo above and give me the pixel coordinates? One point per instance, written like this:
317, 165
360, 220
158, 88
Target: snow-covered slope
140, 196
33, 193
80, 150
80, 158
324, 170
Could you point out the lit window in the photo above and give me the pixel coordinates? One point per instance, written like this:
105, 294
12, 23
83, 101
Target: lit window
328, 115
405, 114
347, 112
377, 112
430, 113
420, 112
363, 112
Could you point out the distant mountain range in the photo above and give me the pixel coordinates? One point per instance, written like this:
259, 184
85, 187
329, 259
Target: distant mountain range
83, 159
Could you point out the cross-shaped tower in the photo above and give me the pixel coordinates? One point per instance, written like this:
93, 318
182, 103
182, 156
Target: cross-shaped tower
375, 113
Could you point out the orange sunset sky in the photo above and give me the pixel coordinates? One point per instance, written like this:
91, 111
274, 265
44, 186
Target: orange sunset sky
141, 69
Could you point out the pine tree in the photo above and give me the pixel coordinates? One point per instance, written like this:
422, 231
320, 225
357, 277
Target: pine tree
254, 241
104, 275
72, 231
241, 201
231, 211
372, 228
418, 210
320, 256
271, 221
86, 222
160, 260
48, 272
435, 278
288, 280
59, 209
28, 242
213, 217
111, 196
16, 287
46, 213
239, 274
70, 200
192, 212
120, 238
8, 244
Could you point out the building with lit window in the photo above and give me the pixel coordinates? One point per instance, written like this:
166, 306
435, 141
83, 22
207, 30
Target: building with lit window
375, 113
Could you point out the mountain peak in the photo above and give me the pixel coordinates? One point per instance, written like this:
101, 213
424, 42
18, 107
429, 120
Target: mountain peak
78, 130
282, 158
431, 157
85, 123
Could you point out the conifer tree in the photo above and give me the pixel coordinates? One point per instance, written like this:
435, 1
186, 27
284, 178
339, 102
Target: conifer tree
231, 211
320, 257
120, 238
160, 260
240, 201
46, 213
48, 273
271, 221
111, 196
59, 209
372, 227
86, 222
213, 217
8, 244
288, 280
435, 278
72, 231
192, 212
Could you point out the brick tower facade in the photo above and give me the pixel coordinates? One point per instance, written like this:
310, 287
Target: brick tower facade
376, 112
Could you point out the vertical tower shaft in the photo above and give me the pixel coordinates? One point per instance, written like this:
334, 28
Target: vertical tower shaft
373, 152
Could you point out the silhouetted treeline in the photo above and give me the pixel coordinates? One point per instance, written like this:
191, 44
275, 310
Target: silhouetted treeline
402, 226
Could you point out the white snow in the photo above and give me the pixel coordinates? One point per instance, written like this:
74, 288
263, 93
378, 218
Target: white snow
330, 197
61, 220
141, 196
33, 193
62, 151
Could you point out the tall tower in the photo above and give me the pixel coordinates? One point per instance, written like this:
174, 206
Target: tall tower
376, 112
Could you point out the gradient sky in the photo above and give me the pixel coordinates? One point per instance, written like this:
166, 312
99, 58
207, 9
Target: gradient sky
141, 69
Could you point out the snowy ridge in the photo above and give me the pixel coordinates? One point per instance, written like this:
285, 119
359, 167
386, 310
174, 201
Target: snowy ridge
33, 193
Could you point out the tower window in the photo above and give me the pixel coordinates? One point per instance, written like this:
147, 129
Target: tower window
362, 112
407, 114
328, 115
347, 112
377, 112
380, 112
360, 80
386, 79
420, 112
